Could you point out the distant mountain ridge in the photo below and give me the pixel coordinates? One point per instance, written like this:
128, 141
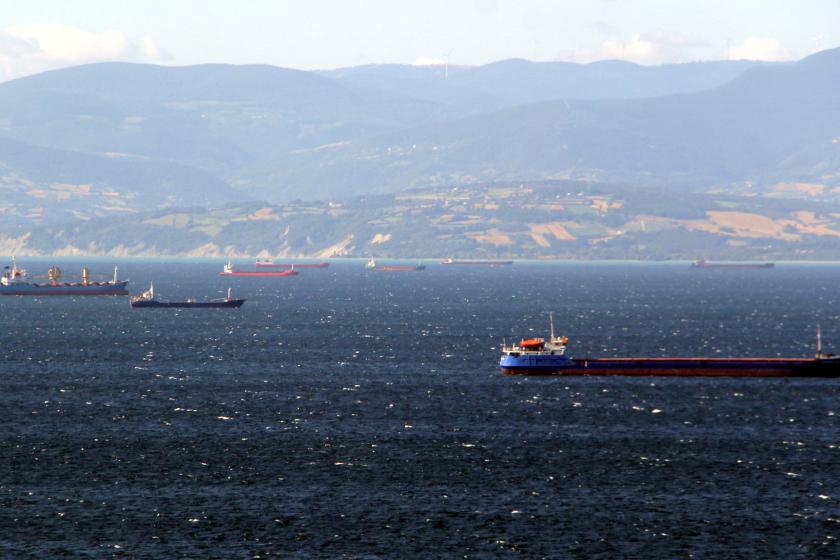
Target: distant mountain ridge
249, 125
46, 185
512, 82
209, 116
105, 143
772, 123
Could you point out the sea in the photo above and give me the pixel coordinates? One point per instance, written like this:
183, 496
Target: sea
346, 413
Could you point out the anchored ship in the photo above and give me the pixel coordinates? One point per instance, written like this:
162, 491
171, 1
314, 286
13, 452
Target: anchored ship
371, 265
483, 263
268, 263
228, 270
540, 356
147, 299
13, 282
704, 263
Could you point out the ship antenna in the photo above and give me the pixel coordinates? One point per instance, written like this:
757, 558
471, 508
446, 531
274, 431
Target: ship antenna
228, 294
819, 342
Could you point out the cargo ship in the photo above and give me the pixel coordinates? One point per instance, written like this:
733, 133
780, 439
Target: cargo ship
13, 282
228, 270
481, 263
540, 356
704, 263
268, 263
371, 265
147, 299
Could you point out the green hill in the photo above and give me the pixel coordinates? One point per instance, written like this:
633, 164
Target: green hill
558, 219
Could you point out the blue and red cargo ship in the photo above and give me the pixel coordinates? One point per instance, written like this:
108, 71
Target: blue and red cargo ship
540, 356
13, 282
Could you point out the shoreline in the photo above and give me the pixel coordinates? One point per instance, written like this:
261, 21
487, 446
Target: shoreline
410, 260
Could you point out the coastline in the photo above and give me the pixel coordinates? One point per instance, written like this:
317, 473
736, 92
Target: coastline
406, 260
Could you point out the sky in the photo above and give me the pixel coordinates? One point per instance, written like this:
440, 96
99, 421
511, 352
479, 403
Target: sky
39, 35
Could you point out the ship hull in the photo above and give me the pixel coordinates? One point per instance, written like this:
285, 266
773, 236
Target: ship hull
479, 263
261, 273
291, 265
66, 289
233, 303
674, 367
733, 265
400, 268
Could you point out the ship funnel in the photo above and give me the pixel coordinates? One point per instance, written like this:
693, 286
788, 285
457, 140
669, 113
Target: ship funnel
85, 275
115, 275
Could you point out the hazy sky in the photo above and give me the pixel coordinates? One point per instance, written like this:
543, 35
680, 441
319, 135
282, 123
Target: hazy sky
36, 35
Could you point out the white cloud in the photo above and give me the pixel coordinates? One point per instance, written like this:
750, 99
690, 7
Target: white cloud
29, 49
151, 50
651, 47
758, 48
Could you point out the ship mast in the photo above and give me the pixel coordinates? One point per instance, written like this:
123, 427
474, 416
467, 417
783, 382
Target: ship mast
819, 342
551, 325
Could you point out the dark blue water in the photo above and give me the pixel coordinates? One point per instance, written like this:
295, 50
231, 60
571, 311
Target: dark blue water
345, 414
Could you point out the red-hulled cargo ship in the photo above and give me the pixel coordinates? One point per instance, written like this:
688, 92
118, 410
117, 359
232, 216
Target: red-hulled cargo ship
481, 263
230, 271
372, 265
539, 356
268, 263
703, 263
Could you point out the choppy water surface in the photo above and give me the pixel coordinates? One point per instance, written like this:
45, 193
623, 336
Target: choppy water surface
361, 415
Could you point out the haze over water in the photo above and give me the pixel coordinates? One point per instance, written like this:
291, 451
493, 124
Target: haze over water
345, 413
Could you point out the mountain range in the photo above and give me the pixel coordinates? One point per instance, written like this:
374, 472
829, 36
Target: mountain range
108, 143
